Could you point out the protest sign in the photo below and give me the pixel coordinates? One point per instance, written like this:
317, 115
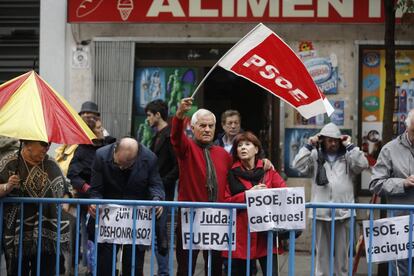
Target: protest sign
389, 239
116, 224
274, 209
210, 228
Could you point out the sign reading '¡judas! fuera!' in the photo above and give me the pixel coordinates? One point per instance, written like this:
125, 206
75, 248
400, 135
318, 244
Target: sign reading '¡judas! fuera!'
276, 209
312, 11
116, 224
210, 228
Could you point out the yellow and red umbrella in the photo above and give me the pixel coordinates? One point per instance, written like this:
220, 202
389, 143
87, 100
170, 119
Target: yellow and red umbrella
30, 109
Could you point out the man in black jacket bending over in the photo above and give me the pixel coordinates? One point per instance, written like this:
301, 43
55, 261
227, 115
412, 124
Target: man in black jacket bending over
124, 170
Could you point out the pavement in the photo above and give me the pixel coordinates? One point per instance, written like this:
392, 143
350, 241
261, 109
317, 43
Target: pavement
302, 265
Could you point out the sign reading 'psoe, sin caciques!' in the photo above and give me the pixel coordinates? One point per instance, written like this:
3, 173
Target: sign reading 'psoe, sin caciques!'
276, 209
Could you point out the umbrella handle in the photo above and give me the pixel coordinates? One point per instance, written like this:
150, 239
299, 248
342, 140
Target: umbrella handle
19, 157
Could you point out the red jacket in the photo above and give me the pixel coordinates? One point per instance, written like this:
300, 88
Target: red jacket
192, 165
258, 240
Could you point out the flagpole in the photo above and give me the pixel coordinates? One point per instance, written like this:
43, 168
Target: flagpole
215, 65
205, 77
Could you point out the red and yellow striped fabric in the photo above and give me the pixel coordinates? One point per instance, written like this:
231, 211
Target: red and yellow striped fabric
31, 109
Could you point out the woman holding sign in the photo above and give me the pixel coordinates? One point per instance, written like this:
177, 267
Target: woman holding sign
247, 173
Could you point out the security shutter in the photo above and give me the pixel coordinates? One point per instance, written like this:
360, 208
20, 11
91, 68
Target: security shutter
113, 72
19, 37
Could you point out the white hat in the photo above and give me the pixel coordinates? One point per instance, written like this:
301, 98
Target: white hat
331, 130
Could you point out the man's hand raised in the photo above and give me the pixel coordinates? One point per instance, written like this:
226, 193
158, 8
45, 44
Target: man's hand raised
185, 105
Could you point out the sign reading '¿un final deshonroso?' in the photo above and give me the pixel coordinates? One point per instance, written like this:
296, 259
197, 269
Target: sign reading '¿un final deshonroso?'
116, 224
210, 229
276, 209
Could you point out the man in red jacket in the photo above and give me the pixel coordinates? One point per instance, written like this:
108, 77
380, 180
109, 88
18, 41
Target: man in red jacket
203, 173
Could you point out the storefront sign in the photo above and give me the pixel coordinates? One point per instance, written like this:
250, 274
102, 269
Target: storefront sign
345, 11
389, 239
274, 209
210, 228
116, 225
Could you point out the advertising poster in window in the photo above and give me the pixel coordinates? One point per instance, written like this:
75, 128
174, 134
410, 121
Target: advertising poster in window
372, 89
337, 117
169, 84
324, 70
295, 139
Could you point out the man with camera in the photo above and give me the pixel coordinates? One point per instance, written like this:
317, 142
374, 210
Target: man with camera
332, 161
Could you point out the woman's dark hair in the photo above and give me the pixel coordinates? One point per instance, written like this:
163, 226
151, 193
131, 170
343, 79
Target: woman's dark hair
246, 136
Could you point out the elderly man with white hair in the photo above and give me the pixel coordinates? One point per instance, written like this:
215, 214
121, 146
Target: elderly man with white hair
203, 172
393, 176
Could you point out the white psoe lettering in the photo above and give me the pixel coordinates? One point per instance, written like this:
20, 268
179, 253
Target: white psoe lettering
269, 71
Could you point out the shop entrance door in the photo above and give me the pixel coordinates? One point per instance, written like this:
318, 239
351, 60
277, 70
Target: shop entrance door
224, 90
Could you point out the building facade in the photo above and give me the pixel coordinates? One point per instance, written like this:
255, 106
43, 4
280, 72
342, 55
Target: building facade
124, 53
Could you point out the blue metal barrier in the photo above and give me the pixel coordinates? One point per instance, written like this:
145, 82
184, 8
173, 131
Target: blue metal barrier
192, 205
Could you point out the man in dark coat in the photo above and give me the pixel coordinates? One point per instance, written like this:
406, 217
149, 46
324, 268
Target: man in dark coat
124, 170
157, 115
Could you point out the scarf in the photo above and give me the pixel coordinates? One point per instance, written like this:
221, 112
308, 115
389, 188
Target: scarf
211, 177
255, 176
321, 178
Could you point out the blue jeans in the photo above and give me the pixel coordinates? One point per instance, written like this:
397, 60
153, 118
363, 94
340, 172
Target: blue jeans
162, 261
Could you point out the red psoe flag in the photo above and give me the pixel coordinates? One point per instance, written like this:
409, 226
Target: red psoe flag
266, 60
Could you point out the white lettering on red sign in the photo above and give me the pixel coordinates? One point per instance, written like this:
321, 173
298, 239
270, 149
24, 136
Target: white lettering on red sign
260, 8
290, 10
369, 11
197, 11
343, 8
172, 6
271, 72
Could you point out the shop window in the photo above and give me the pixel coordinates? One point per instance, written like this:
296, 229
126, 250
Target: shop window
371, 99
